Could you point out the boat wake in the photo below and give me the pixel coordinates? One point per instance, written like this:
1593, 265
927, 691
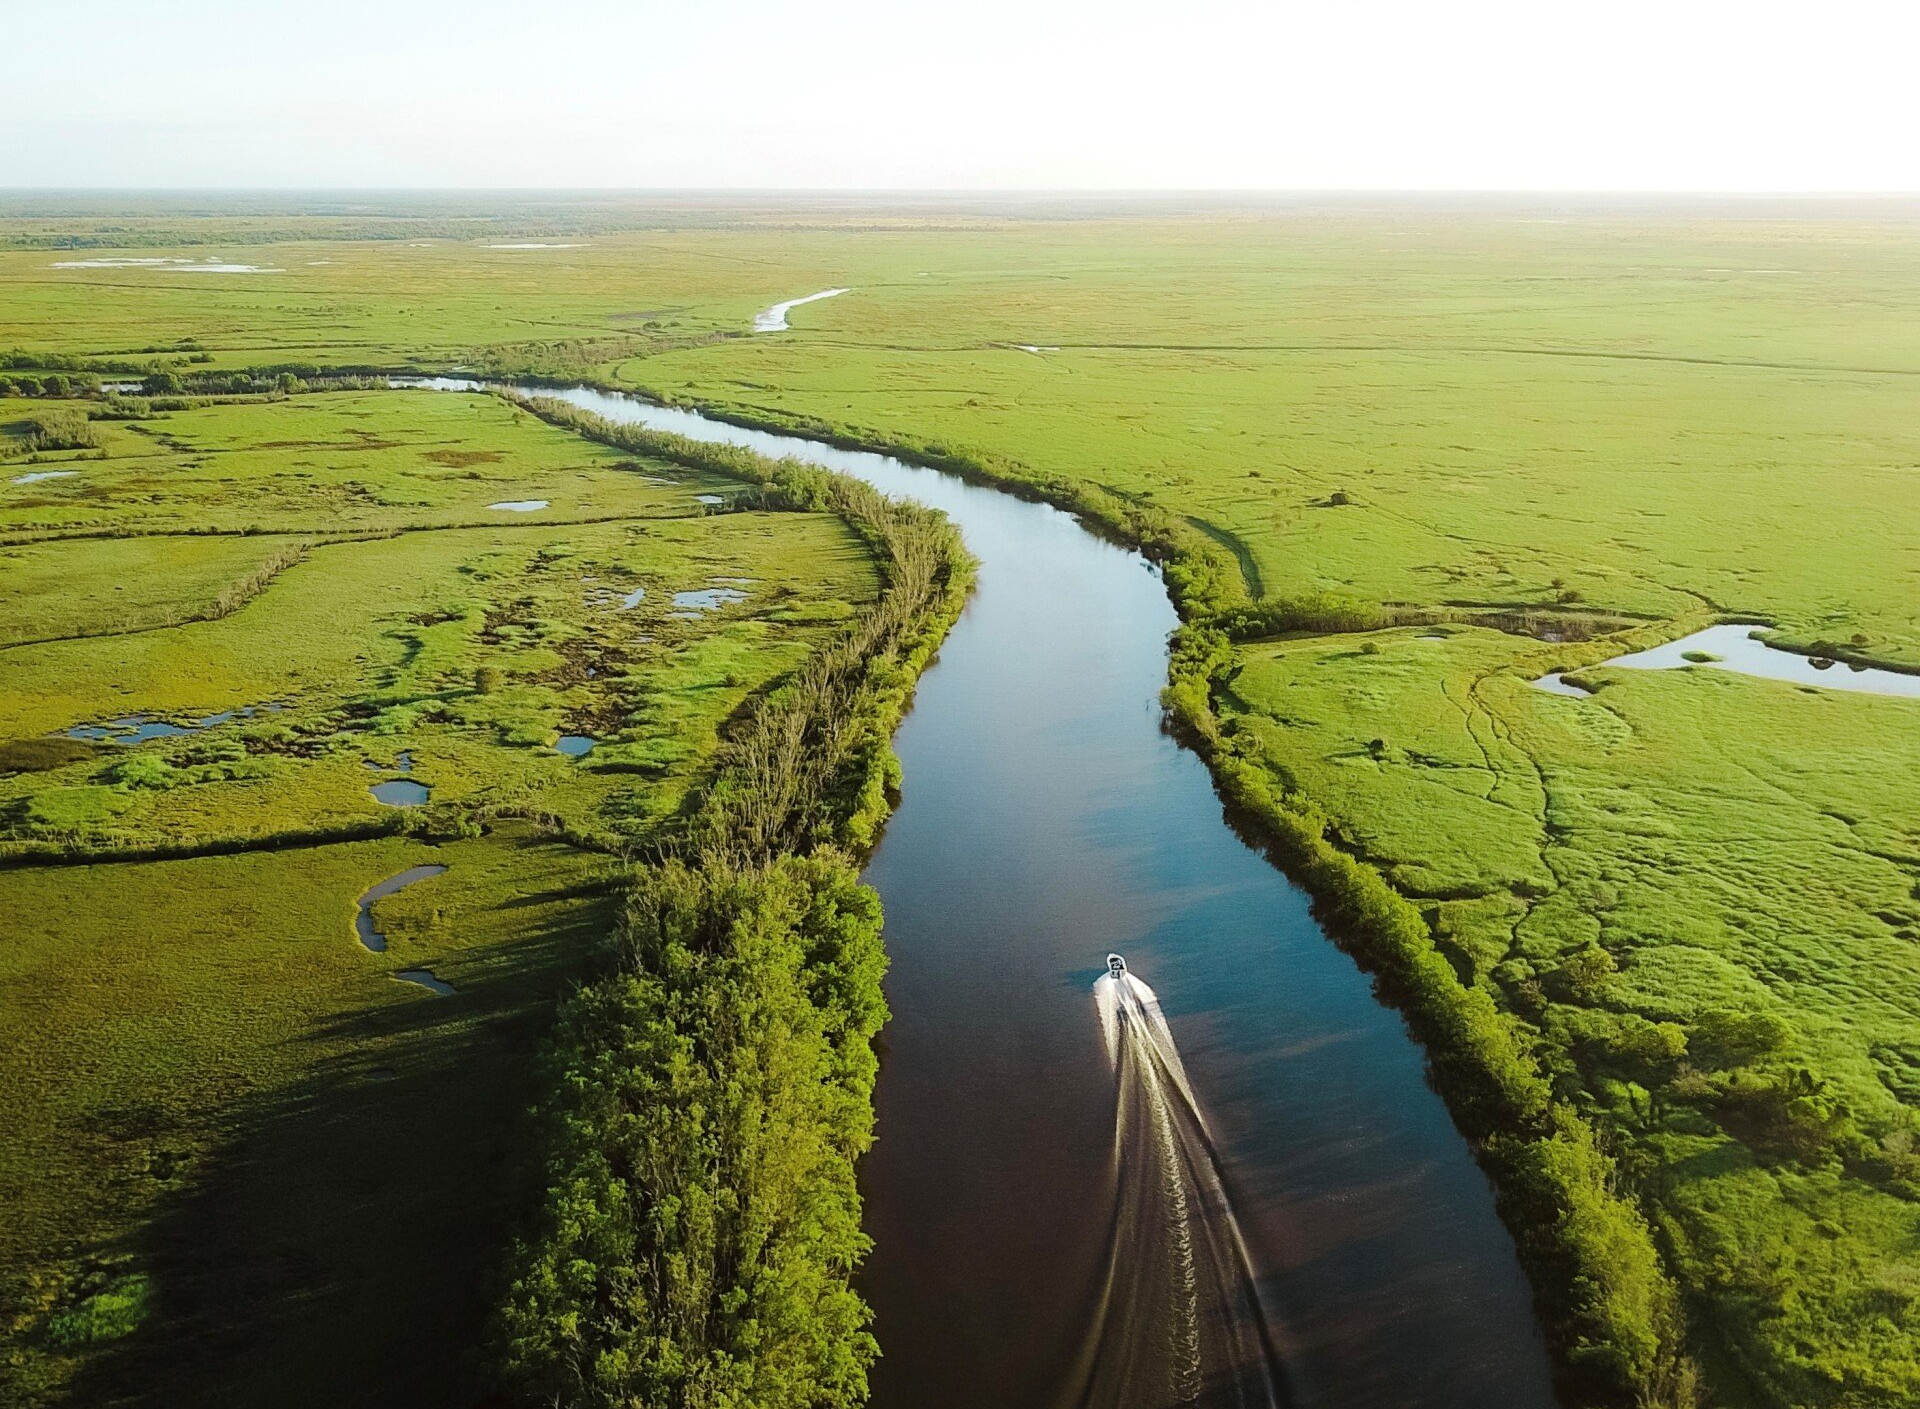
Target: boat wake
1178, 1320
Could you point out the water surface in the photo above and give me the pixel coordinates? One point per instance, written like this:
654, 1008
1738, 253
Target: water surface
401, 792
439, 987
708, 599
774, 319
1554, 683
1738, 647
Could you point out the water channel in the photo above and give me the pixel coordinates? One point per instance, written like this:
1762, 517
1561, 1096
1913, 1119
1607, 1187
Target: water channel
1041, 1202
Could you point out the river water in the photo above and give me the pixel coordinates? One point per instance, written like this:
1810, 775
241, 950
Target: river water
1056, 1220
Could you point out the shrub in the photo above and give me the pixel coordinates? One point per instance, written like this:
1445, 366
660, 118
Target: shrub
1731, 1037
61, 430
142, 770
107, 1315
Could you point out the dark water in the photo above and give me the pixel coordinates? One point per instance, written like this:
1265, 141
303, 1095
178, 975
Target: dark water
1047, 820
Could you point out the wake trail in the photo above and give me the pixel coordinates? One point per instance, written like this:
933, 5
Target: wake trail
1178, 1320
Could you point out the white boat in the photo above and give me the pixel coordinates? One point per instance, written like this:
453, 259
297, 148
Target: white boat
1116, 966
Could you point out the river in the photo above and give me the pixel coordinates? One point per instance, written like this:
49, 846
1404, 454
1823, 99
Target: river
1293, 1221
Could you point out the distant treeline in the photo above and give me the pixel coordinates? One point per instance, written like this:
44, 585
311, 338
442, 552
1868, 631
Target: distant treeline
581, 359
176, 371
706, 1101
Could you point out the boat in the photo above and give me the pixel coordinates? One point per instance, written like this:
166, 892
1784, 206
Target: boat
1116, 966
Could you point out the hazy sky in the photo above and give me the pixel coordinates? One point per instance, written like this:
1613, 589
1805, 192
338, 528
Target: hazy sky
1545, 94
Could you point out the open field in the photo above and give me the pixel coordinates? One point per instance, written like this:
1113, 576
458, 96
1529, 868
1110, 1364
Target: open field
420, 624
1695, 890
231, 1125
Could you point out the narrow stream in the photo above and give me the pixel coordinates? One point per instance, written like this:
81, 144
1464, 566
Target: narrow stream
1056, 1220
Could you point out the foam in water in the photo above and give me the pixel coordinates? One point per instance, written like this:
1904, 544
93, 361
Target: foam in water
1179, 1320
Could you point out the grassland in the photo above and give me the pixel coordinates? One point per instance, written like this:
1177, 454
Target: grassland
1692, 893
402, 616
221, 1108
230, 1126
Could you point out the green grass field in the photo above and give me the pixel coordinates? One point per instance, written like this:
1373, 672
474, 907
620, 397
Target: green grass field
1663, 415
222, 1107
229, 1125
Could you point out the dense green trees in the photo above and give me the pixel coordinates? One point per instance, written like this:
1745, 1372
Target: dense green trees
701, 1220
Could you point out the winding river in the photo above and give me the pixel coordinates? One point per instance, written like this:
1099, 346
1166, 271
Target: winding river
1225, 1183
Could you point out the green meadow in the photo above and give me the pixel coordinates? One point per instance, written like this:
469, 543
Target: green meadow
230, 1124
1694, 891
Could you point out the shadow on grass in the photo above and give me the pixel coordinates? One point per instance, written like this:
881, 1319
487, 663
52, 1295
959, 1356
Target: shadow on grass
344, 1244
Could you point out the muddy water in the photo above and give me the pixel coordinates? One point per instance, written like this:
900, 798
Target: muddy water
1047, 819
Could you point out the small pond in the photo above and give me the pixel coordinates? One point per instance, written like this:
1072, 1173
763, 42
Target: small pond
36, 476
708, 599
1737, 646
519, 506
138, 728
176, 266
575, 745
401, 792
1555, 684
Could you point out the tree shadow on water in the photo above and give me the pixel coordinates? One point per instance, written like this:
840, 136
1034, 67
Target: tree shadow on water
344, 1243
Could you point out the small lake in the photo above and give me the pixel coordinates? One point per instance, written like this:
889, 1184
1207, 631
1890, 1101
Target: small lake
1737, 646
774, 319
401, 792
519, 506
38, 475
370, 938
575, 745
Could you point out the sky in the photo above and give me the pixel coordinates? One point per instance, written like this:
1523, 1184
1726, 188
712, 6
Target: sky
1681, 95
